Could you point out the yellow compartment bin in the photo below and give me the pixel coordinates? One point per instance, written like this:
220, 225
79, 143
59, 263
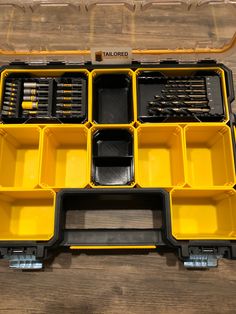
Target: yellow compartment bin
160, 156
203, 214
19, 156
64, 158
209, 156
27, 215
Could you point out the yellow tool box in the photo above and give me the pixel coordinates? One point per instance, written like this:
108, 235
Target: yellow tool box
109, 105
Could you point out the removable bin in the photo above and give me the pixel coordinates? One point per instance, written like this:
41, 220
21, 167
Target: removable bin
112, 98
19, 156
27, 215
112, 157
209, 156
56, 103
203, 214
160, 156
181, 94
128, 235
64, 159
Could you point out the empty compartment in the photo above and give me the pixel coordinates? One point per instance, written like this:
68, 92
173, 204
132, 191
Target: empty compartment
160, 156
112, 157
209, 156
27, 215
64, 157
203, 214
19, 156
112, 98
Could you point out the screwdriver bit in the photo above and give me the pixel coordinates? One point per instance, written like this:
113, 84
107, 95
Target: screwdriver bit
35, 92
8, 108
69, 112
68, 105
7, 113
34, 98
69, 85
33, 105
34, 84
69, 98
68, 92
36, 112
8, 89
10, 103
11, 84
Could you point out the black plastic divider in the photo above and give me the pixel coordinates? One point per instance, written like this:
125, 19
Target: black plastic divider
112, 157
106, 199
112, 99
164, 98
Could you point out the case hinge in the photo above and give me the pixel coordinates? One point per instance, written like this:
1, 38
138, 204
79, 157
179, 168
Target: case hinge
202, 261
23, 261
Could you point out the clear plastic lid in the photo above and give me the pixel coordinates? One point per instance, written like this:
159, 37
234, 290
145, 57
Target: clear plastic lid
38, 31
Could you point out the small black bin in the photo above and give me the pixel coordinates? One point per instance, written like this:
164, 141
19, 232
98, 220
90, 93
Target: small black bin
112, 99
112, 157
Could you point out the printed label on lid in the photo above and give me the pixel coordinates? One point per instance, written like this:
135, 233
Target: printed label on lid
119, 55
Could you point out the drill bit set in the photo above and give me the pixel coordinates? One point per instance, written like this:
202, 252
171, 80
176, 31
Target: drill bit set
196, 98
70, 95
27, 99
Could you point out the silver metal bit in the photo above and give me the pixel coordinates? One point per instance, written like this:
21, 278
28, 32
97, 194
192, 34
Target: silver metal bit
34, 85
9, 89
69, 85
67, 105
68, 91
10, 93
11, 84
9, 108
69, 98
10, 103
34, 98
69, 112
8, 113
35, 92
33, 112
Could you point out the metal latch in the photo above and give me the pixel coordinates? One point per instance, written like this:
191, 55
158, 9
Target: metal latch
202, 261
23, 261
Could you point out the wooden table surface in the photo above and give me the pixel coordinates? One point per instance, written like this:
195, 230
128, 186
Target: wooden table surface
148, 283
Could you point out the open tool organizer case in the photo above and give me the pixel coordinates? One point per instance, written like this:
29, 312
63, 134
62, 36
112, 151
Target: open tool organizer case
154, 134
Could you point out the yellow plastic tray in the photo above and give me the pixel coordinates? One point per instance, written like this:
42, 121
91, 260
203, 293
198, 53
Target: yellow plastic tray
27, 215
203, 214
